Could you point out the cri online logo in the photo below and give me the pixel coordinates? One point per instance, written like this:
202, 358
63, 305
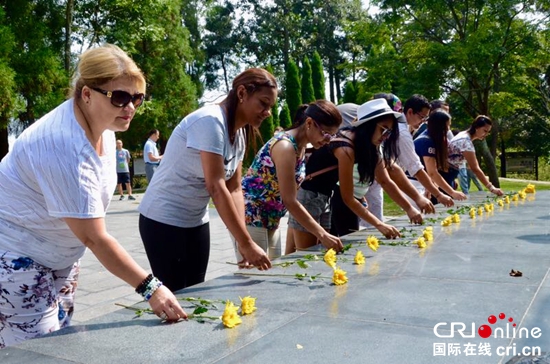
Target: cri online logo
485, 331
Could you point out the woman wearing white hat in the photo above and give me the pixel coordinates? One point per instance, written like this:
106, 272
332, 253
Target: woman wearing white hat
359, 143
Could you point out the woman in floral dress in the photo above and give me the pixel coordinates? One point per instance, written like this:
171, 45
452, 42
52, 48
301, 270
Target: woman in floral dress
277, 171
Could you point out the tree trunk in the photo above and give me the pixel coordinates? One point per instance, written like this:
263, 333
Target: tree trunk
331, 82
483, 149
4, 144
68, 31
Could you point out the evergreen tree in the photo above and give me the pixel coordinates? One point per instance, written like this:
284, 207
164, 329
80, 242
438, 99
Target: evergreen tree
308, 94
318, 76
350, 92
284, 117
293, 89
275, 108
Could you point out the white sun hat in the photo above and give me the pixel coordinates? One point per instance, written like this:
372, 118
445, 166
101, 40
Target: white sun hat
373, 109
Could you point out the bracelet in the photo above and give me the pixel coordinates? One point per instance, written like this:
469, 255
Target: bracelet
151, 288
142, 286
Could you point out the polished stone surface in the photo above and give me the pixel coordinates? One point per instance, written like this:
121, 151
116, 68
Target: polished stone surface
386, 313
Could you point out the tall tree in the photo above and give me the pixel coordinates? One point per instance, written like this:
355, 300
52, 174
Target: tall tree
308, 95
7, 83
275, 108
318, 76
293, 95
463, 49
284, 117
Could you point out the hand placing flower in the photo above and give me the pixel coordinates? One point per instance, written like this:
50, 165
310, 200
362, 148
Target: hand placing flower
359, 258
339, 277
330, 258
373, 243
230, 317
248, 305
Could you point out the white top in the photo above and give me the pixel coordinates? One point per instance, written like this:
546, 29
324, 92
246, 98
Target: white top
177, 195
52, 173
407, 157
150, 147
462, 142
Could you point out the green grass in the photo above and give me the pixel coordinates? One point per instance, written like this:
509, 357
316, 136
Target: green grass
392, 209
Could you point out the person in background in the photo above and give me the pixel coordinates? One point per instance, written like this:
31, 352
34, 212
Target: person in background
461, 149
57, 183
123, 170
203, 162
271, 183
465, 177
151, 155
432, 147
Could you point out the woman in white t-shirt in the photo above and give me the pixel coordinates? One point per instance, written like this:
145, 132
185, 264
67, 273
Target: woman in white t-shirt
461, 148
56, 185
203, 161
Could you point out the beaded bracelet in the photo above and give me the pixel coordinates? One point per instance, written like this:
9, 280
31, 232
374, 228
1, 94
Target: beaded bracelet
141, 287
151, 288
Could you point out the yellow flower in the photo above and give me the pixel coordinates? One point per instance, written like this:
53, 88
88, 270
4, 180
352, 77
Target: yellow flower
507, 199
429, 228
339, 277
530, 188
248, 305
500, 202
456, 218
522, 194
428, 234
480, 211
372, 243
473, 212
359, 258
487, 207
515, 197
447, 221
492, 206
330, 258
230, 317
421, 242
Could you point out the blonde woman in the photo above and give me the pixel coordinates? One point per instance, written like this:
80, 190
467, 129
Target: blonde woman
57, 183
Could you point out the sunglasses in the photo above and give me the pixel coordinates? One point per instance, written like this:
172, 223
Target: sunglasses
386, 132
326, 136
121, 98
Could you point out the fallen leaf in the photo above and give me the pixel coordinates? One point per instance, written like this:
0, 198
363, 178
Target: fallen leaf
515, 273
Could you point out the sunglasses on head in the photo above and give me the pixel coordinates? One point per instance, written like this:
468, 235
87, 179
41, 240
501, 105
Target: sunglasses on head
121, 98
326, 136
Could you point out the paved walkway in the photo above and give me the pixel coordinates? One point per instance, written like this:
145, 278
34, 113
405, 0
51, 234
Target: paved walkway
99, 290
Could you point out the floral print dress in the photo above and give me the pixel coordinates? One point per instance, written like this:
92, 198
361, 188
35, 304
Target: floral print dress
263, 204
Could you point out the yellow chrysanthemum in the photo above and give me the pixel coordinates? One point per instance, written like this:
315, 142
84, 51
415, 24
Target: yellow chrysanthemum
456, 218
480, 211
359, 258
507, 199
248, 305
492, 206
372, 242
473, 213
339, 277
447, 221
522, 194
421, 242
330, 258
515, 197
487, 207
428, 234
500, 202
230, 317
530, 188
429, 228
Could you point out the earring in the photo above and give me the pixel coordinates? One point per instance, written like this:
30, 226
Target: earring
241, 101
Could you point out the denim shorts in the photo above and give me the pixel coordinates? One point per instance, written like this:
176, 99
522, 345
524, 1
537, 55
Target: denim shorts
318, 206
